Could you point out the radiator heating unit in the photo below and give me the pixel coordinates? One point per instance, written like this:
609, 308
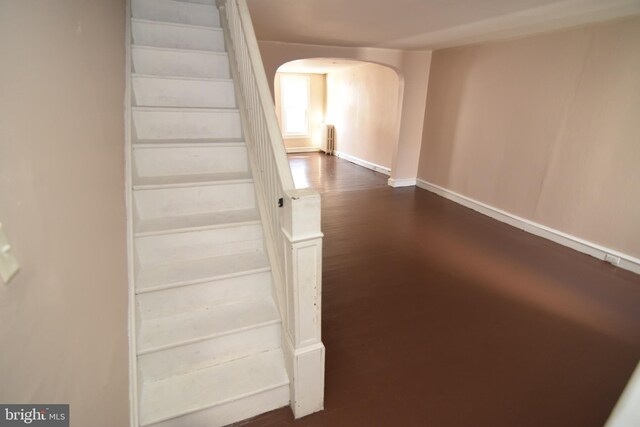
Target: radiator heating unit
328, 143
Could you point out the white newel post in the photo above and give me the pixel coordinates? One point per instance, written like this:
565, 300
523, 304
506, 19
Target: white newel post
304, 350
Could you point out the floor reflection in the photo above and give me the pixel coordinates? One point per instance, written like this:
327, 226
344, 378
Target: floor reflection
329, 173
300, 171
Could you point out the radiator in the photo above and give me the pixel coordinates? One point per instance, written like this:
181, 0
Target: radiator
328, 143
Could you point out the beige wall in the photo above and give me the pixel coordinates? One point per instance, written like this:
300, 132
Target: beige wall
316, 114
362, 103
415, 66
412, 67
63, 320
545, 127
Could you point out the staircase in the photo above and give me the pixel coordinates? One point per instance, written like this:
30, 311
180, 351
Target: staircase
208, 332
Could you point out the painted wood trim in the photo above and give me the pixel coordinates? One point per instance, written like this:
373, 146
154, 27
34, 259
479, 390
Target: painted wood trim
302, 345
291, 150
363, 163
297, 217
393, 182
265, 100
270, 240
128, 190
626, 262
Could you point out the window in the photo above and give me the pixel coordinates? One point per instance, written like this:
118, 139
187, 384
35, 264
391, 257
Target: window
295, 105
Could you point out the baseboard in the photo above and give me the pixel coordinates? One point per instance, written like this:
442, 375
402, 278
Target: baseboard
363, 163
291, 150
616, 258
392, 182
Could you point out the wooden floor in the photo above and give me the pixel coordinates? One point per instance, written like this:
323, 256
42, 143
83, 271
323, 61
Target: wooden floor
435, 315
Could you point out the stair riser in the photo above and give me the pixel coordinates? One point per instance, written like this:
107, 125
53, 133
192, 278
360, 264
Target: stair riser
170, 302
178, 360
198, 244
176, 12
186, 125
163, 202
180, 63
159, 161
233, 411
199, 1
176, 37
162, 92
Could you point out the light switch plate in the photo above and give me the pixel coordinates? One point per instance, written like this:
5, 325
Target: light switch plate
9, 265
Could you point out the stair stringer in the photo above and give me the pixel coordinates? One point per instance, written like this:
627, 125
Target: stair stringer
131, 258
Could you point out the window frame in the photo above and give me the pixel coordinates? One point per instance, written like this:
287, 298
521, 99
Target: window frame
283, 107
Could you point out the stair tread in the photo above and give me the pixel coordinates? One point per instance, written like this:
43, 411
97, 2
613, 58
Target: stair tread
187, 4
150, 182
215, 320
181, 273
206, 388
152, 226
144, 143
206, 2
197, 79
176, 24
179, 50
185, 109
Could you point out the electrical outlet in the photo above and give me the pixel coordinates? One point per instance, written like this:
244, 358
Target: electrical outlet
9, 265
612, 259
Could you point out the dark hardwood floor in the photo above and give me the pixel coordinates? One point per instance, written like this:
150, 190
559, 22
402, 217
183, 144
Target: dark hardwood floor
435, 315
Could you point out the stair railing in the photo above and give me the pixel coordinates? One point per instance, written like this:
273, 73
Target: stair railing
290, 216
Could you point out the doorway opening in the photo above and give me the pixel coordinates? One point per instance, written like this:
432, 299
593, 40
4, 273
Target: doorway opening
344, 107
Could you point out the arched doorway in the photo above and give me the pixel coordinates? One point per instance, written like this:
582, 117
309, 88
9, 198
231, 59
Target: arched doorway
362, 100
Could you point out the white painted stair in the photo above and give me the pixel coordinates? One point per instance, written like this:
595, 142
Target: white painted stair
208, 331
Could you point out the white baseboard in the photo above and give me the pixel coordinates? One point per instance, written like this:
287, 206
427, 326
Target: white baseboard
302, 150
363, 163
392, 182
626, 262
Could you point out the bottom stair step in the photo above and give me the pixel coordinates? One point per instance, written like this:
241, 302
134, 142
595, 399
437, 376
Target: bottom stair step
218, 395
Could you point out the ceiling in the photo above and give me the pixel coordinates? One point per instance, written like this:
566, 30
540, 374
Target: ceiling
422, 24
